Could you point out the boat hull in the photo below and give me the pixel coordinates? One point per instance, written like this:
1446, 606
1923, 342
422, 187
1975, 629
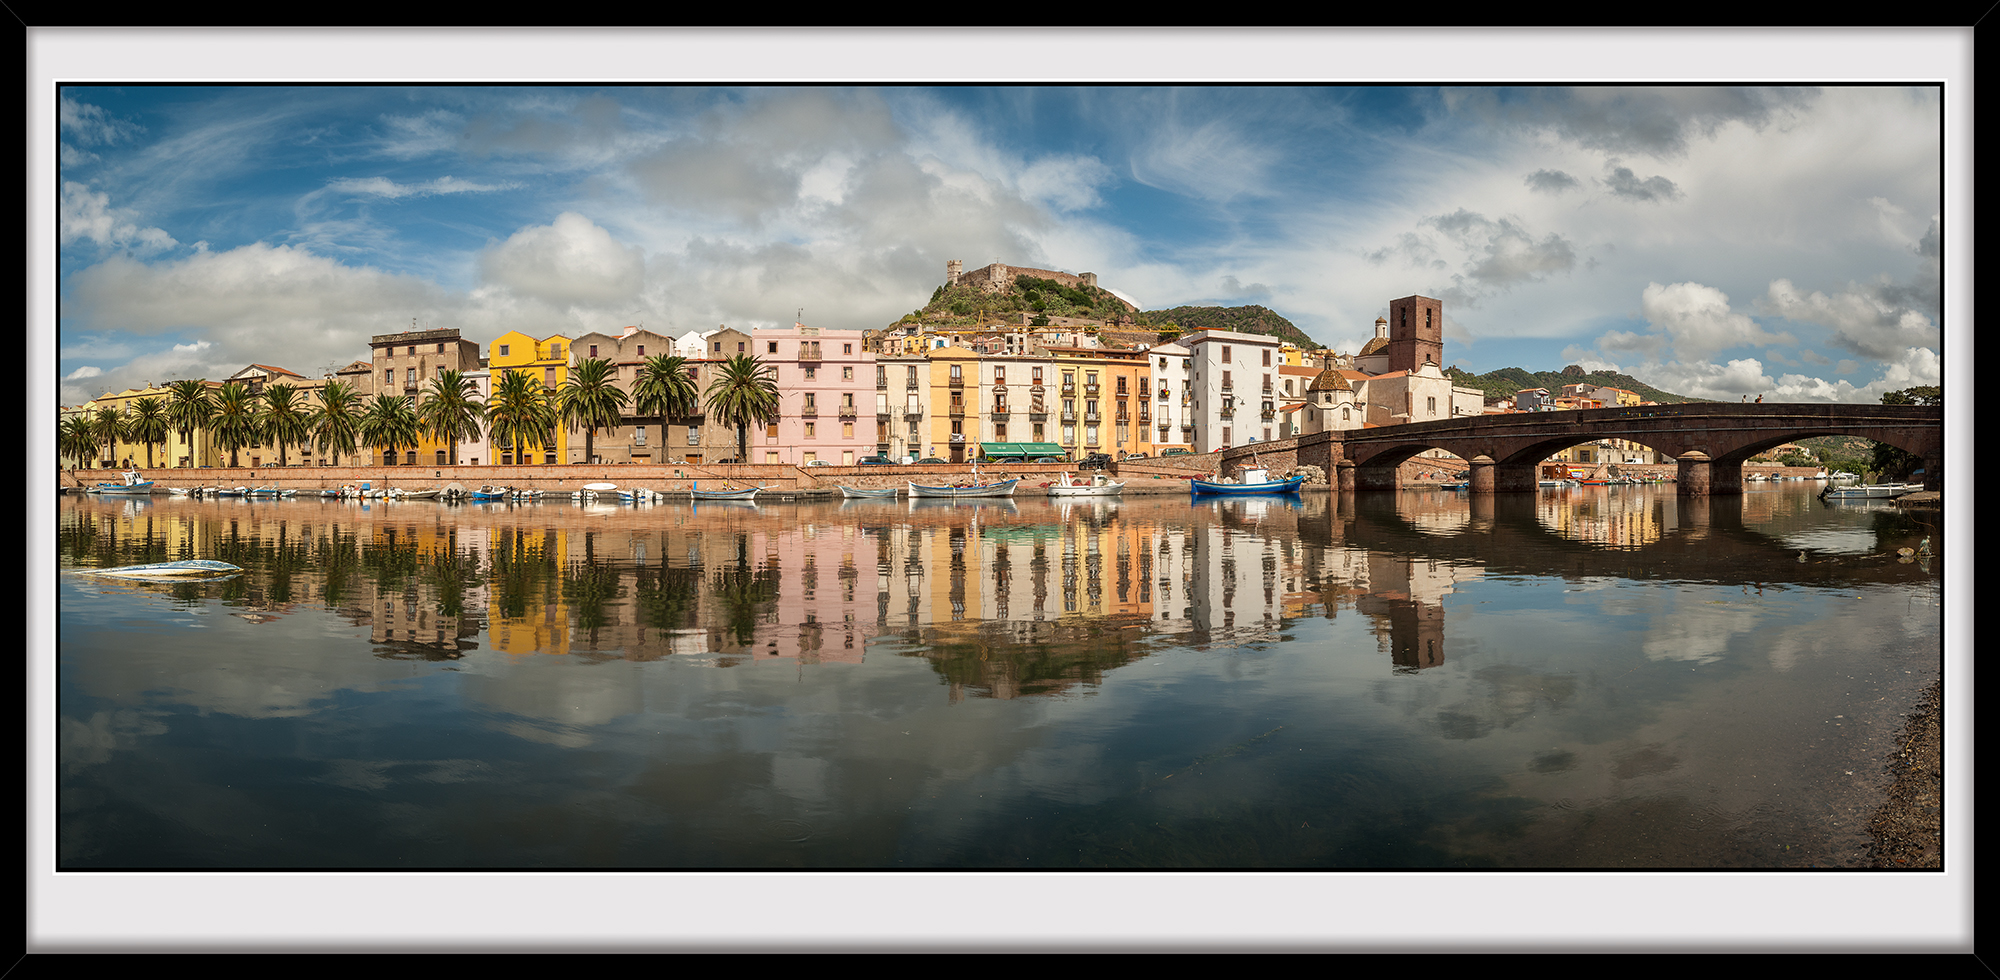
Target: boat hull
750, 494
194, 568
1005, 489
1203, 487
859, 493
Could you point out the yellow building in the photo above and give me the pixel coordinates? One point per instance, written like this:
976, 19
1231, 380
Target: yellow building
1113, 389
175, 451
953, 421
545, 360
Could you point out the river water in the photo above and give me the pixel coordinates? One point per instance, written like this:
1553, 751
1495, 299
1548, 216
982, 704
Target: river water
1587, 678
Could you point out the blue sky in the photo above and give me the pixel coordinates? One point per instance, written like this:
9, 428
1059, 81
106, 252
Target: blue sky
1713, 241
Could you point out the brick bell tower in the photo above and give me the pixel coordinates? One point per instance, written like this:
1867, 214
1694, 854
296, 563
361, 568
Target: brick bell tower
1416, 333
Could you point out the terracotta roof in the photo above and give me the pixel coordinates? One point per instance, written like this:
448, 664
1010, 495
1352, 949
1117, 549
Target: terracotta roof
1373, 345
1330, 380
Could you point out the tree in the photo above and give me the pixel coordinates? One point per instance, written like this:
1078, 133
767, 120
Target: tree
336, 423
519, 414
235, 422
284, 418
742, 395
389, 426
590, 398
149, 424
75, 440
1889, 462
107, 426
664, 390
190, 408
451, 410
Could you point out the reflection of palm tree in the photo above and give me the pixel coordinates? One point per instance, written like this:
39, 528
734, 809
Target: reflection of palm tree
743, 590
744, 394
590, 398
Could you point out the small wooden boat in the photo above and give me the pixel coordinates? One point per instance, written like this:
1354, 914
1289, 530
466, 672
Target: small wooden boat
487, 493
1004, 488
1096, 485
731, 494
192, 568
1254, 481
430, 494
1881, 491
860, 493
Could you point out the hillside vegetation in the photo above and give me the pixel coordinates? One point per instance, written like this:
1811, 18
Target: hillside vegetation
1506, 382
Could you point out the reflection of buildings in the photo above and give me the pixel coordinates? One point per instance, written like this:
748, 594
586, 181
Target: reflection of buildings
1611, 517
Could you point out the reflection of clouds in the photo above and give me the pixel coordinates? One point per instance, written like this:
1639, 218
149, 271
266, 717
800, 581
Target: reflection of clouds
89, 743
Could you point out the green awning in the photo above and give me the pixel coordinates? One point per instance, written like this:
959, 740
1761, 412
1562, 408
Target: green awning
1023, 450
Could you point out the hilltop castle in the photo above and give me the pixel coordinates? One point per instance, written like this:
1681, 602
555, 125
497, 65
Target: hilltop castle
996, 278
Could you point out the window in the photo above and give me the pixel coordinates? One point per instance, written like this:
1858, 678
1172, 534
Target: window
1225, 353
718, 347
389, 376
694, 435
847, 374
999, 375
774, 347
593, 350
412, 376
440, 348
441, 458
739, 346
847, 430
413, 352
1037, 375
412, 457
812, 373
811, 431
548, 377
639, 436
503, 349
770, 457
1431, 405
847, 348
810, 407
771, 431
812, 458
1267, 358
642, 350
549, 458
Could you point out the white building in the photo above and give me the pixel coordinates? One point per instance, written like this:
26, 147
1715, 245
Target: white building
1234, 383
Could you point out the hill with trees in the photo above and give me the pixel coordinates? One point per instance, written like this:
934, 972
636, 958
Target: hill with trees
1506, 382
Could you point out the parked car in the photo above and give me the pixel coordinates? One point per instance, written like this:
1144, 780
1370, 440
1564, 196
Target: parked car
1048, 459
1164, 453
1095, 461
731, 459
877, 461
1135, 455
930, 459
819, 462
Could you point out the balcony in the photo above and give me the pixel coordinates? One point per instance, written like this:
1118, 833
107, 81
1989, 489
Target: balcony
957, 437
1069, 388
1122, 417
957, 381
1188, 426
809, 353
912, 384
1225, 413
808, 412
848, 412
999, 413
881, 383
1091, 418
956, 411
881, 416
913, 414
1090, 389
1145, 418
1268, 415
1069, 415
1228, 385
1038, 416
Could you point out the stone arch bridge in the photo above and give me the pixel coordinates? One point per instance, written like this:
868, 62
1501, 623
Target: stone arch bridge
1709, 441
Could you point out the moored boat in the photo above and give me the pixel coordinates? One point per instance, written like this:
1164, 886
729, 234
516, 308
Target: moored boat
1096, 485
1004, 488
1253, 481
862, 493
132, 483
730, 494
1879, 491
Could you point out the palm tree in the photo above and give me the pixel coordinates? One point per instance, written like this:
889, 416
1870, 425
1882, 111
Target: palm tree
190, 408
664, 389
590, 398
519, 414
235, 422
107, 426
75, 440
743, 395
390, 426
336, 423
149, 424
451, 410
284, 418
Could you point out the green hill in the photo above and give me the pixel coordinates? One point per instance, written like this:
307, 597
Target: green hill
1505, 382
1242, 319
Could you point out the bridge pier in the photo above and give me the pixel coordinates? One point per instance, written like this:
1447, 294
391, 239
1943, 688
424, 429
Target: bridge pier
1378, 477
1345, 476
1934, 470
1700, 476
1488, 476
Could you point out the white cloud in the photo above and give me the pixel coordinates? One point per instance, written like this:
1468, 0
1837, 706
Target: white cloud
384, 187
1697, 321
571, 261
83, 372
1863, 318
85, 215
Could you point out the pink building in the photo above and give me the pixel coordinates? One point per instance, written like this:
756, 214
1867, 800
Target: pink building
825, 383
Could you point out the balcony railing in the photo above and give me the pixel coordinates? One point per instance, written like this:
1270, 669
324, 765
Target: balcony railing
1089, 417
1038, 416
912, 384
881, 382
1225, 413
956, 382
1268, 415
956, 410
958, 437
1068, 416
1090, 388
848, 412
1069, 388
808, 412
1227, 385
913, 414
999, 413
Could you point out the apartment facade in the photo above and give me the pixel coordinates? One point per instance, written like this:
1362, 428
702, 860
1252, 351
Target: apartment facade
545, 360
1235, 388
824, 382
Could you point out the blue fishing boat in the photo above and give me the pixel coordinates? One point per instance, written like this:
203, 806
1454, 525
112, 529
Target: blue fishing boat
1254, 481
131, 484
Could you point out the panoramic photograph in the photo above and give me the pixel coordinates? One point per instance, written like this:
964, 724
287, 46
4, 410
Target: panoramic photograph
1038, 484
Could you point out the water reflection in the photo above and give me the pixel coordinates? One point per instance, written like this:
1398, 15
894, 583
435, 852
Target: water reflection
1514, 656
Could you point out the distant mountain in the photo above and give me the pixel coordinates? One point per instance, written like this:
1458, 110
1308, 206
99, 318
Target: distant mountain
1506, 382
1242, 319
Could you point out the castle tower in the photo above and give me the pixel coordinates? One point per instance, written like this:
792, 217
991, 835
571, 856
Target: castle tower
1416, 333
952, 270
